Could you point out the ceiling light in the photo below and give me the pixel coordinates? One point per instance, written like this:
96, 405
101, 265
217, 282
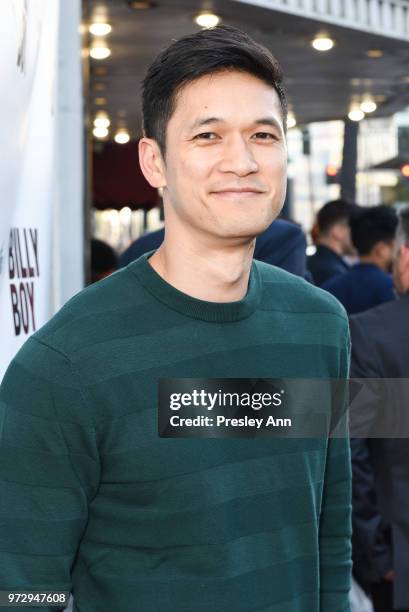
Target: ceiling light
100, 132
355, 113
100, 101
207, 20
99, 51
140, 4
102, 121
100, 70
122, 136
322, 43
374, 53
291, 120
100, 29
368, 105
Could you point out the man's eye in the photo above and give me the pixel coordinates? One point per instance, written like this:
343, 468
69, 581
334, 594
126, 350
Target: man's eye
206, 136
265, 136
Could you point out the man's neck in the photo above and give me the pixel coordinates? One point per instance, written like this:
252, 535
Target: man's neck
213, 274
330, 244
370, 259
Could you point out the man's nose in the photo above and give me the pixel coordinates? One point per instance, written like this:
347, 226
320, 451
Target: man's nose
238, 157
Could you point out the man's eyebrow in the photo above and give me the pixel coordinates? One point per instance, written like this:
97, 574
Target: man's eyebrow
269, 121
208, 120
205, 121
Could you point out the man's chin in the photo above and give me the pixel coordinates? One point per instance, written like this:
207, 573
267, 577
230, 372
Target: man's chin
247, 227
243, 234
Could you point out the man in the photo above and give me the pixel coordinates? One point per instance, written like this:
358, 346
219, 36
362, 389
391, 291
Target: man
333, 241
282, 244
380, 349
103, 260
369, 282
93, 499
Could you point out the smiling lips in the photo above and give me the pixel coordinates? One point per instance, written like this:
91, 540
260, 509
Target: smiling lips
243, 192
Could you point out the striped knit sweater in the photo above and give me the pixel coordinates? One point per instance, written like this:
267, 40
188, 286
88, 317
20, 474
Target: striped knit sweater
93, 501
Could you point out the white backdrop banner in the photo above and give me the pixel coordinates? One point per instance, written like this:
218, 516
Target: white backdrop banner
28, 69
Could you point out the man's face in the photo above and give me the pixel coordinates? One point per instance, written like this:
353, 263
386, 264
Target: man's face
226, 157
347, 246
388, 255
401, 268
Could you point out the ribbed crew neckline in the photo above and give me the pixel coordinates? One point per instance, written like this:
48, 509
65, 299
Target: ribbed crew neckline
216, 312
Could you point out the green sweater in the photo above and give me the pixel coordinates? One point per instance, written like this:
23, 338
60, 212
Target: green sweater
95, 502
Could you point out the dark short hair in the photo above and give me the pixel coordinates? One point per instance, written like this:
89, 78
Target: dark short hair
373, 225
209, 51
334, 212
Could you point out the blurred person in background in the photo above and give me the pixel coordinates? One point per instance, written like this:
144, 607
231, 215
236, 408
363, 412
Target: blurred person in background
369, 282
380, 349
103, 260
333, 239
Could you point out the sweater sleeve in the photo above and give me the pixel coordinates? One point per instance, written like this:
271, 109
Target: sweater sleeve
49, 470
335, 520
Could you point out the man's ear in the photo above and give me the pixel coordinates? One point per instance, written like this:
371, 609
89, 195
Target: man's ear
379, 248
404, 256
151, 162
337, 231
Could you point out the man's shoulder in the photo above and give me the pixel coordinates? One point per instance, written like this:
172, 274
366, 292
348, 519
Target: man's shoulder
296, 294
93, 313
376, 319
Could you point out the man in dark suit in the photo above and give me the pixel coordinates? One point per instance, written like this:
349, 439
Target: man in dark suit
282, 244
333, 241
380, 349
369, 282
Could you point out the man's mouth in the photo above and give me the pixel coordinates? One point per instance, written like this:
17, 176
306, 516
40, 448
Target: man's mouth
242, 192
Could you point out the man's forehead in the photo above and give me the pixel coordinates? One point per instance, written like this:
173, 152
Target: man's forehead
236, 78
219, 96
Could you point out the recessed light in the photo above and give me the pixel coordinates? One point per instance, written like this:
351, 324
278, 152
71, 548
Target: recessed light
355, 113
100, 70
122, 136
322, 43
368, 105
207, 20
100, 101
374, 53
100, 132
141, 4
102, 120
99, 51
100, 29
